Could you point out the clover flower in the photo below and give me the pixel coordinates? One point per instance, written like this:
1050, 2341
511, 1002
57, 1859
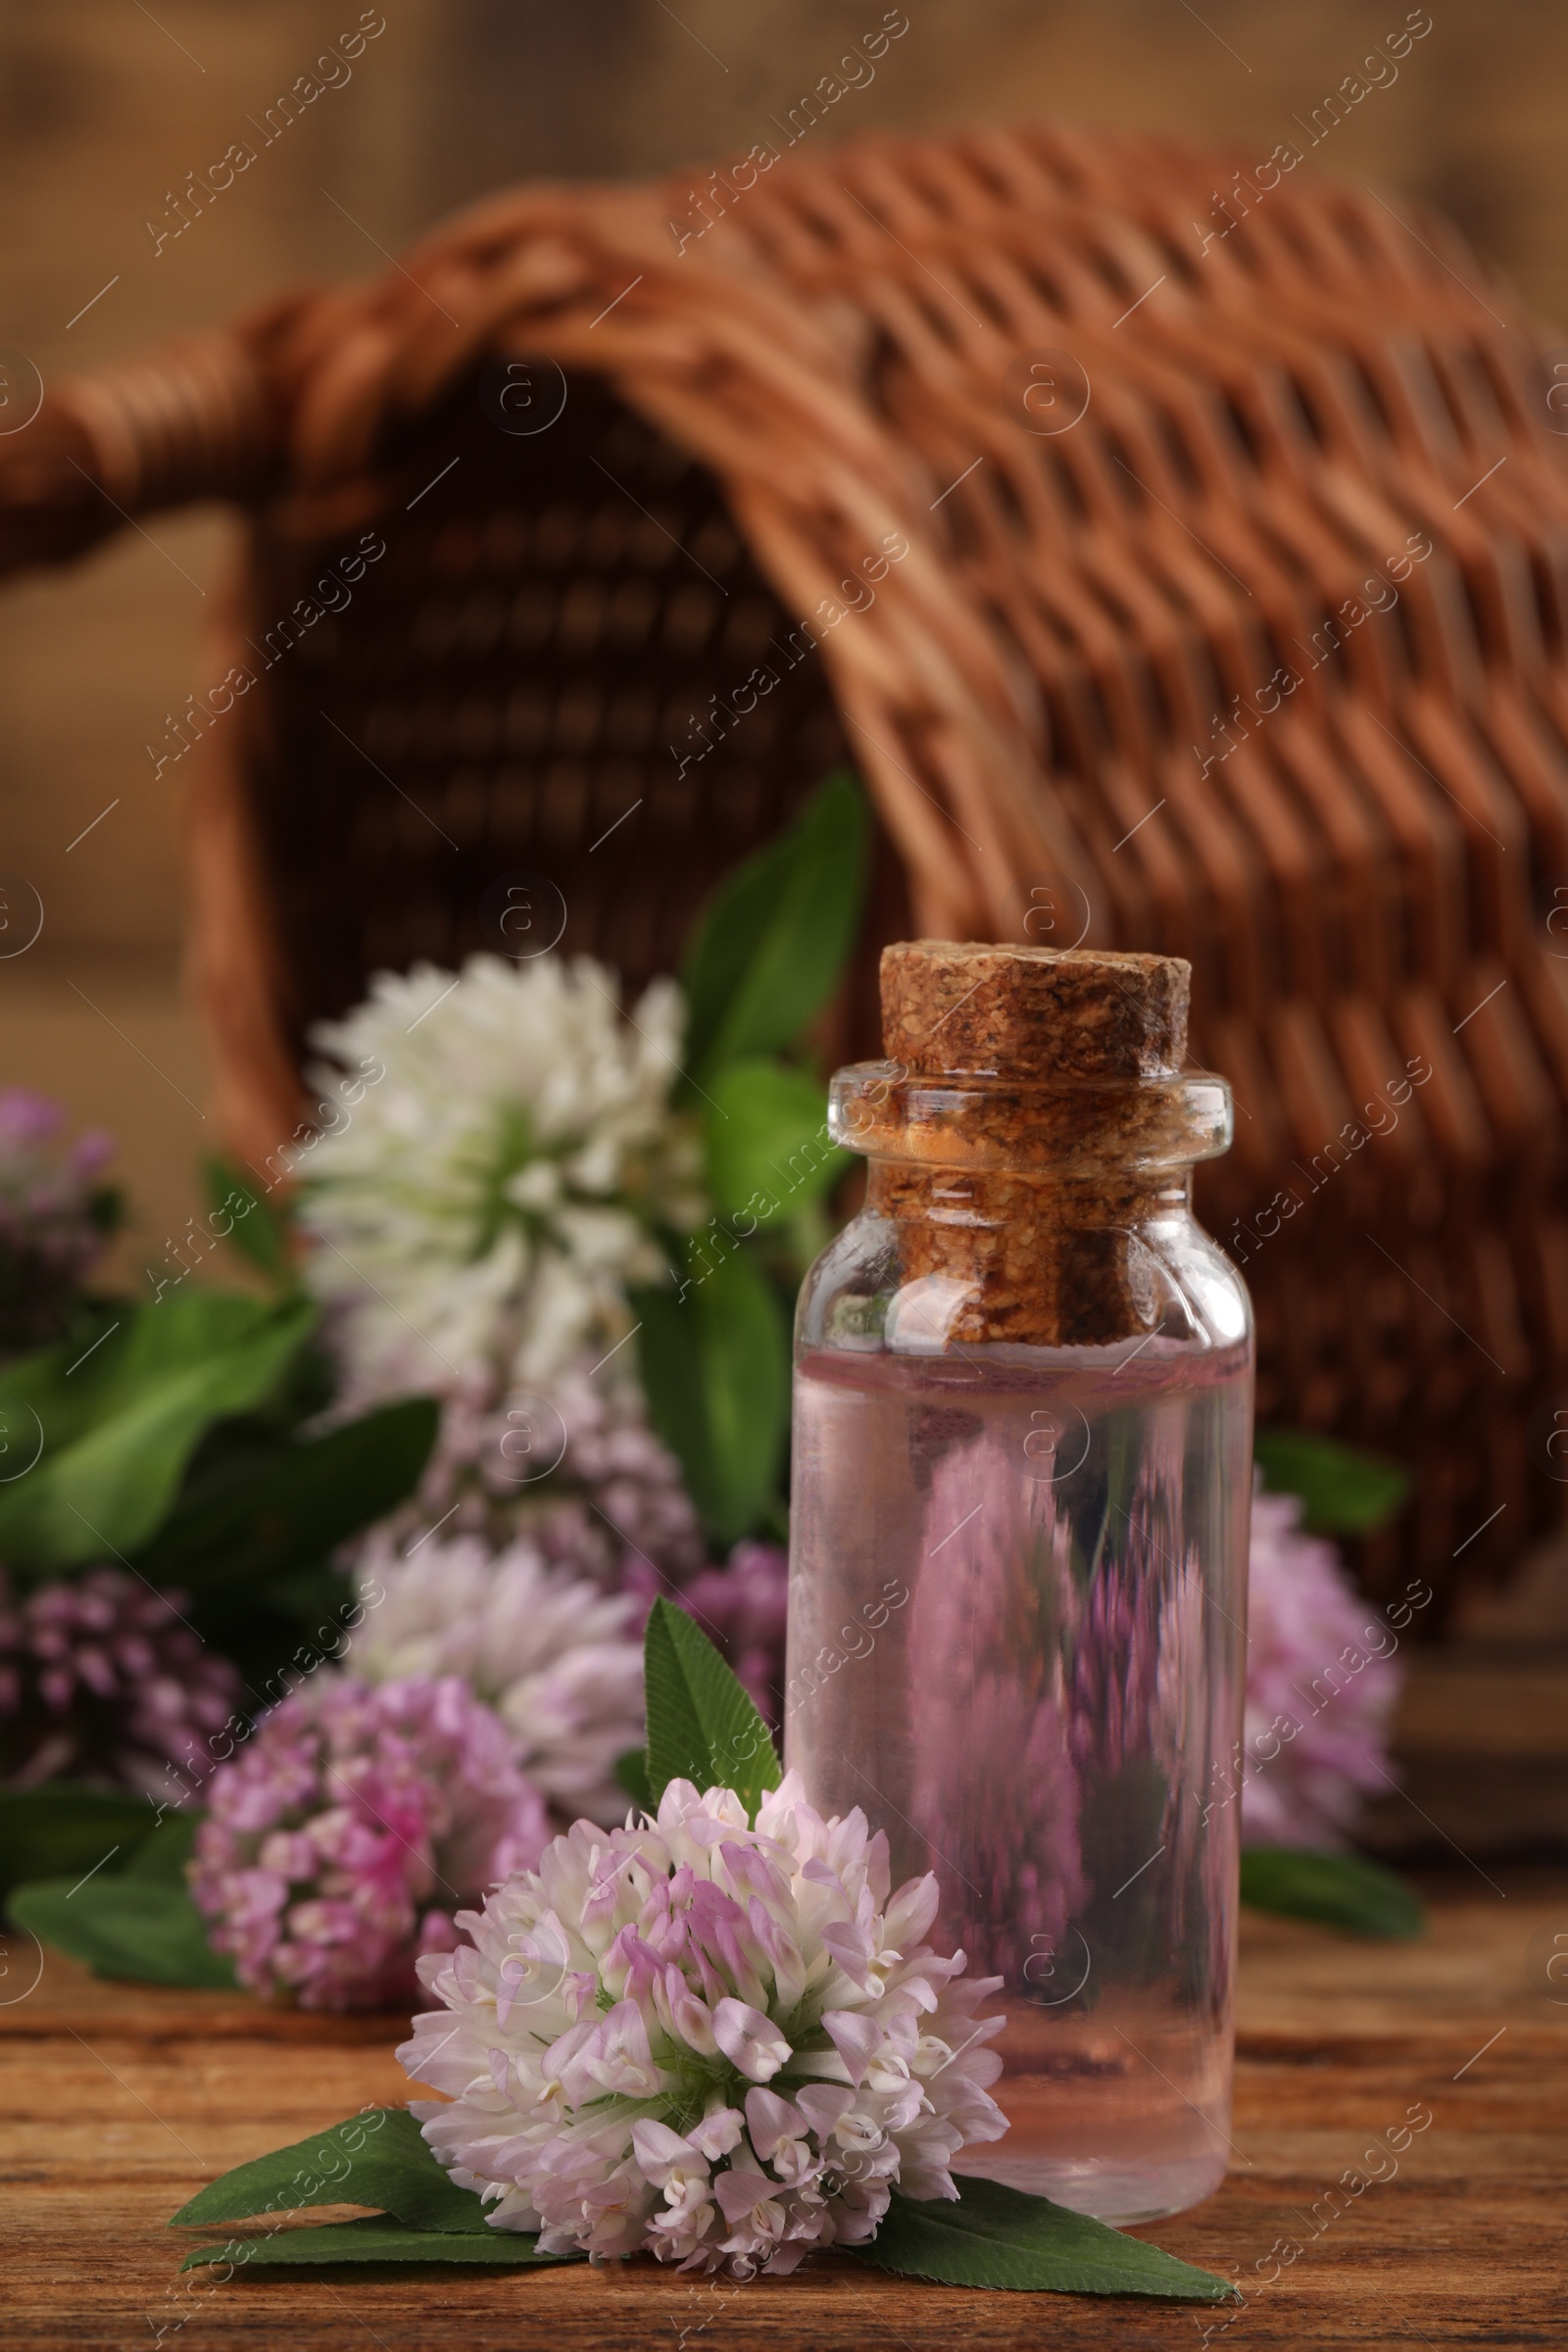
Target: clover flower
55, 1219
1312, 1760
719, 2044
486, 1205
559, 1660
632, 1496
339, 1843
578, 1472
102, 1679
611, 1512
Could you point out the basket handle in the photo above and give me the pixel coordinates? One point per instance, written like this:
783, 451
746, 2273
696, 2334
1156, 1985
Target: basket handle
194, 421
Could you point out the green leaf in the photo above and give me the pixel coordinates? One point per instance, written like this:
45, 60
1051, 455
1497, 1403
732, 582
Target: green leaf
701, 1725
67, 1826
184, 1328
631, 1773
764, 1140
1341, 1891
115, 1447
777, 932
379, 2157
249, 1521
136, 1925
716, 1371
162, 1858
999, 2237
43, 1384
1346, 1491
372, 2239
256, 1230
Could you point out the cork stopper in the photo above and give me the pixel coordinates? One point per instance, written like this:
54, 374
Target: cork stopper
1024, 1136
1033, 1012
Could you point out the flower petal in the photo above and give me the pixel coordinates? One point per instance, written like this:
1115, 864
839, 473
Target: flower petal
855, 2036
770, 2118
750, 2039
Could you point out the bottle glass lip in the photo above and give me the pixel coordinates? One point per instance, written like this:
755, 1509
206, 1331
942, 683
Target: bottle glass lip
1058, 1127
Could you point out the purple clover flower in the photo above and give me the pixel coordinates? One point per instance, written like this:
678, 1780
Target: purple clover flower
341, 1840
1312, 1760
102, 1679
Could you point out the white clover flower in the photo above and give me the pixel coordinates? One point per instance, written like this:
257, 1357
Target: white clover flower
555, 1656
716, 2043
488, 1200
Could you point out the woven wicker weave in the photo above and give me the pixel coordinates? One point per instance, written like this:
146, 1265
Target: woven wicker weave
864, 351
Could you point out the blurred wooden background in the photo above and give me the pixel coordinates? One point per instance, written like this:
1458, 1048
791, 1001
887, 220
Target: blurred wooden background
106, 107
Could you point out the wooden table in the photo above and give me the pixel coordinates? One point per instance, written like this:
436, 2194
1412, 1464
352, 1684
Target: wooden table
118, 2101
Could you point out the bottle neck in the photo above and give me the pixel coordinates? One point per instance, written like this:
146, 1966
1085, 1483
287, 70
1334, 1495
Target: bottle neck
1022, 1256
1020, 1205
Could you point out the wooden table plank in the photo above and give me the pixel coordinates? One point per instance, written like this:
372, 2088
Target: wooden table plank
118, 2101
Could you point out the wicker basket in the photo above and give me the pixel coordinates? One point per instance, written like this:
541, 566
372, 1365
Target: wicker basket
1183, 571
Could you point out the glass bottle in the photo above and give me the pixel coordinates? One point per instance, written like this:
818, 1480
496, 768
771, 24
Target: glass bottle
1022, 1476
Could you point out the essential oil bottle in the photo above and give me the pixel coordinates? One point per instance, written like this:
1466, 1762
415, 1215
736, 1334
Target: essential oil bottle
1023, 1475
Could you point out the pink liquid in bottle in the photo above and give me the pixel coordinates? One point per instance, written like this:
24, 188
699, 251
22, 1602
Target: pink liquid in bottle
1017, 1604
